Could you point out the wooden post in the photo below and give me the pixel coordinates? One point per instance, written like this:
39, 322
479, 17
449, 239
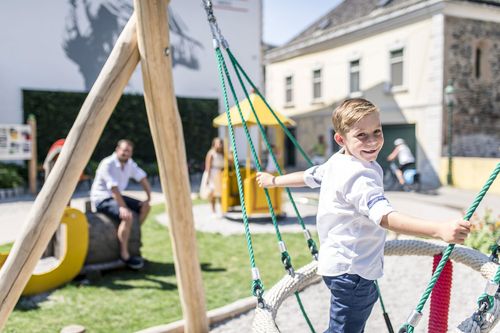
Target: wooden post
33, 164
166, 130
49, 205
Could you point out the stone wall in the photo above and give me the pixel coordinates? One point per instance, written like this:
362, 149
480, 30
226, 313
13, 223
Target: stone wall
476, 115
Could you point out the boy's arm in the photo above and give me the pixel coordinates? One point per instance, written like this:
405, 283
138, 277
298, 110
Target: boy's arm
295, 179
453, 231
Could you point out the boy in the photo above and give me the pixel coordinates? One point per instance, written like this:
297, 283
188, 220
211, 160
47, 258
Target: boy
352, 213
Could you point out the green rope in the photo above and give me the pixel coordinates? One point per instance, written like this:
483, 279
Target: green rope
384, 313
304, 312
310, 242
485, 302
257, 285
285, 256
446, 254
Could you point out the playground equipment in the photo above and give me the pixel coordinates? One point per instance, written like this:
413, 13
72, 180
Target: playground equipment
255, 199
483, 319
54, 271
144, 38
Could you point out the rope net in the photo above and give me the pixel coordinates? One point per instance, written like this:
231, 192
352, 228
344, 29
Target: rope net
264, 320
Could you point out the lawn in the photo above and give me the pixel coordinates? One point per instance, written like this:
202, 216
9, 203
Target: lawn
124, 301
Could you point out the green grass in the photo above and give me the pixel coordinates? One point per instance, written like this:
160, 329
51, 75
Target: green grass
123, 301
6, 247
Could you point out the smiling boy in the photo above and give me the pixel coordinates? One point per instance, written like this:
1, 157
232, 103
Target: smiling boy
353, 212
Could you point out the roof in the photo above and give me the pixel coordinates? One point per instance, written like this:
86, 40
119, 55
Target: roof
350, 12
266, 118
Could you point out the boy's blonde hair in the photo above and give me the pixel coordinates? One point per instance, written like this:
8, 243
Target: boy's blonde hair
350, 112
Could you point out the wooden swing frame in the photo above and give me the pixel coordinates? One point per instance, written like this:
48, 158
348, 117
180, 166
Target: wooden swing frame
145, 38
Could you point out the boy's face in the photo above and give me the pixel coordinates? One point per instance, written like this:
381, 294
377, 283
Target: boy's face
364, 140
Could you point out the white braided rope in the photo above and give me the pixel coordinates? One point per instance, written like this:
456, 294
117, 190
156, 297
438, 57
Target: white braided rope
264, 320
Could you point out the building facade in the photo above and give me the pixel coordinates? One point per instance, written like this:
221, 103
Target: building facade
399, 54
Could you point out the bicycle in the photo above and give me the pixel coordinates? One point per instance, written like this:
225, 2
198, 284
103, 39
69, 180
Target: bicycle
410, 176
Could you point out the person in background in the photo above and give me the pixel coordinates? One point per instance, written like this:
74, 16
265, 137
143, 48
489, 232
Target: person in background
406, 160
214, 164
111, 179
318, 151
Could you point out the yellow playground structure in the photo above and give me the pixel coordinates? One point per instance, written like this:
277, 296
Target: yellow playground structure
67, 262
255, 200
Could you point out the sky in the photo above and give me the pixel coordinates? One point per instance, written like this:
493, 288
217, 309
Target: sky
284, 19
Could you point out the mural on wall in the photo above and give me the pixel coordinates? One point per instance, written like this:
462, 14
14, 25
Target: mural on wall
92, 27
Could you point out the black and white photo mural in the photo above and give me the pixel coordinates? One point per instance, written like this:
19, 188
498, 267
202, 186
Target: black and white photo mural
63, 45
92, 28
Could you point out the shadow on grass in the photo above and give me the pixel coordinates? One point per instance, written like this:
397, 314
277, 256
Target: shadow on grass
207, 267
151, 277
124, 279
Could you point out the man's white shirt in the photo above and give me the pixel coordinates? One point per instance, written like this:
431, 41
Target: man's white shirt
109, 174
351, 206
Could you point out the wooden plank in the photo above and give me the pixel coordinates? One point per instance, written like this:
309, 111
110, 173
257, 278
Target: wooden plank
48, 208
166, 130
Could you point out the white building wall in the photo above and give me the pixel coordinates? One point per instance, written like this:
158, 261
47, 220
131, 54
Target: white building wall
419, 101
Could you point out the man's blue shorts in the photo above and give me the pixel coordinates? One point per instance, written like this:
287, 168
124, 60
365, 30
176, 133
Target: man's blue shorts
351, 302
111, 208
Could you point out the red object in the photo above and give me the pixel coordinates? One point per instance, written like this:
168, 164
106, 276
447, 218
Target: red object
56, 145
440, 298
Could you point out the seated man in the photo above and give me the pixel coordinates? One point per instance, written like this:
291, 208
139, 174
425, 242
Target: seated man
111, 178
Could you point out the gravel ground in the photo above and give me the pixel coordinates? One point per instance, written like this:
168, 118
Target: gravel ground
402, 286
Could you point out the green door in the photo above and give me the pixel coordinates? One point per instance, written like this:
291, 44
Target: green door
391, 133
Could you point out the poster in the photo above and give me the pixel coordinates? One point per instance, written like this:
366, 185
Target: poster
15, 142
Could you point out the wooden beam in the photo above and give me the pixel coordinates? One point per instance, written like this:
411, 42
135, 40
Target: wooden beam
166, 130
33, 164
49, 205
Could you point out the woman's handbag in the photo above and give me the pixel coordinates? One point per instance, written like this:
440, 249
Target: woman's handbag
204, 188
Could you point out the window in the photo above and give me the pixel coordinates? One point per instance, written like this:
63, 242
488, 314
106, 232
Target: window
316, 82
397, 68
478, 63
289, 89
354, 76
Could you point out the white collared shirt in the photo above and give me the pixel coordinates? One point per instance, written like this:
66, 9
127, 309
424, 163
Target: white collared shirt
351, 206
110, 173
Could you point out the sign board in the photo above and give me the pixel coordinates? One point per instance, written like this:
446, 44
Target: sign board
15, 142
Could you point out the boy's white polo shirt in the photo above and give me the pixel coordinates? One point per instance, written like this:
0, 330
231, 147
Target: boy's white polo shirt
351, 206
110, 173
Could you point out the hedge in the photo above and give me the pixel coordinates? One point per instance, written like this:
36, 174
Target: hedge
55, 113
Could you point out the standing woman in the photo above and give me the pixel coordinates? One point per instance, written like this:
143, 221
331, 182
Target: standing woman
214, 164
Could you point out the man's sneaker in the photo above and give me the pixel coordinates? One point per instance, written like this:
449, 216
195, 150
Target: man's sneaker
134, 262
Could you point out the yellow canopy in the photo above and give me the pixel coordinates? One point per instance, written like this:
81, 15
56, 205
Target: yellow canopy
265, 116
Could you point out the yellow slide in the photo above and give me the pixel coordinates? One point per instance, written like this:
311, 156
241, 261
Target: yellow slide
52, 272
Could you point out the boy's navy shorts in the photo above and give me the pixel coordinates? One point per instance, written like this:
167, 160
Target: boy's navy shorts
351, 302
111, 208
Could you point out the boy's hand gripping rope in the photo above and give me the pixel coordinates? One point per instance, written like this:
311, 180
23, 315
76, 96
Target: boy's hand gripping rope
416, 315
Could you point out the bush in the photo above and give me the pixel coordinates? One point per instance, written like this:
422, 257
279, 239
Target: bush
484, 233
10, 176
55, 113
